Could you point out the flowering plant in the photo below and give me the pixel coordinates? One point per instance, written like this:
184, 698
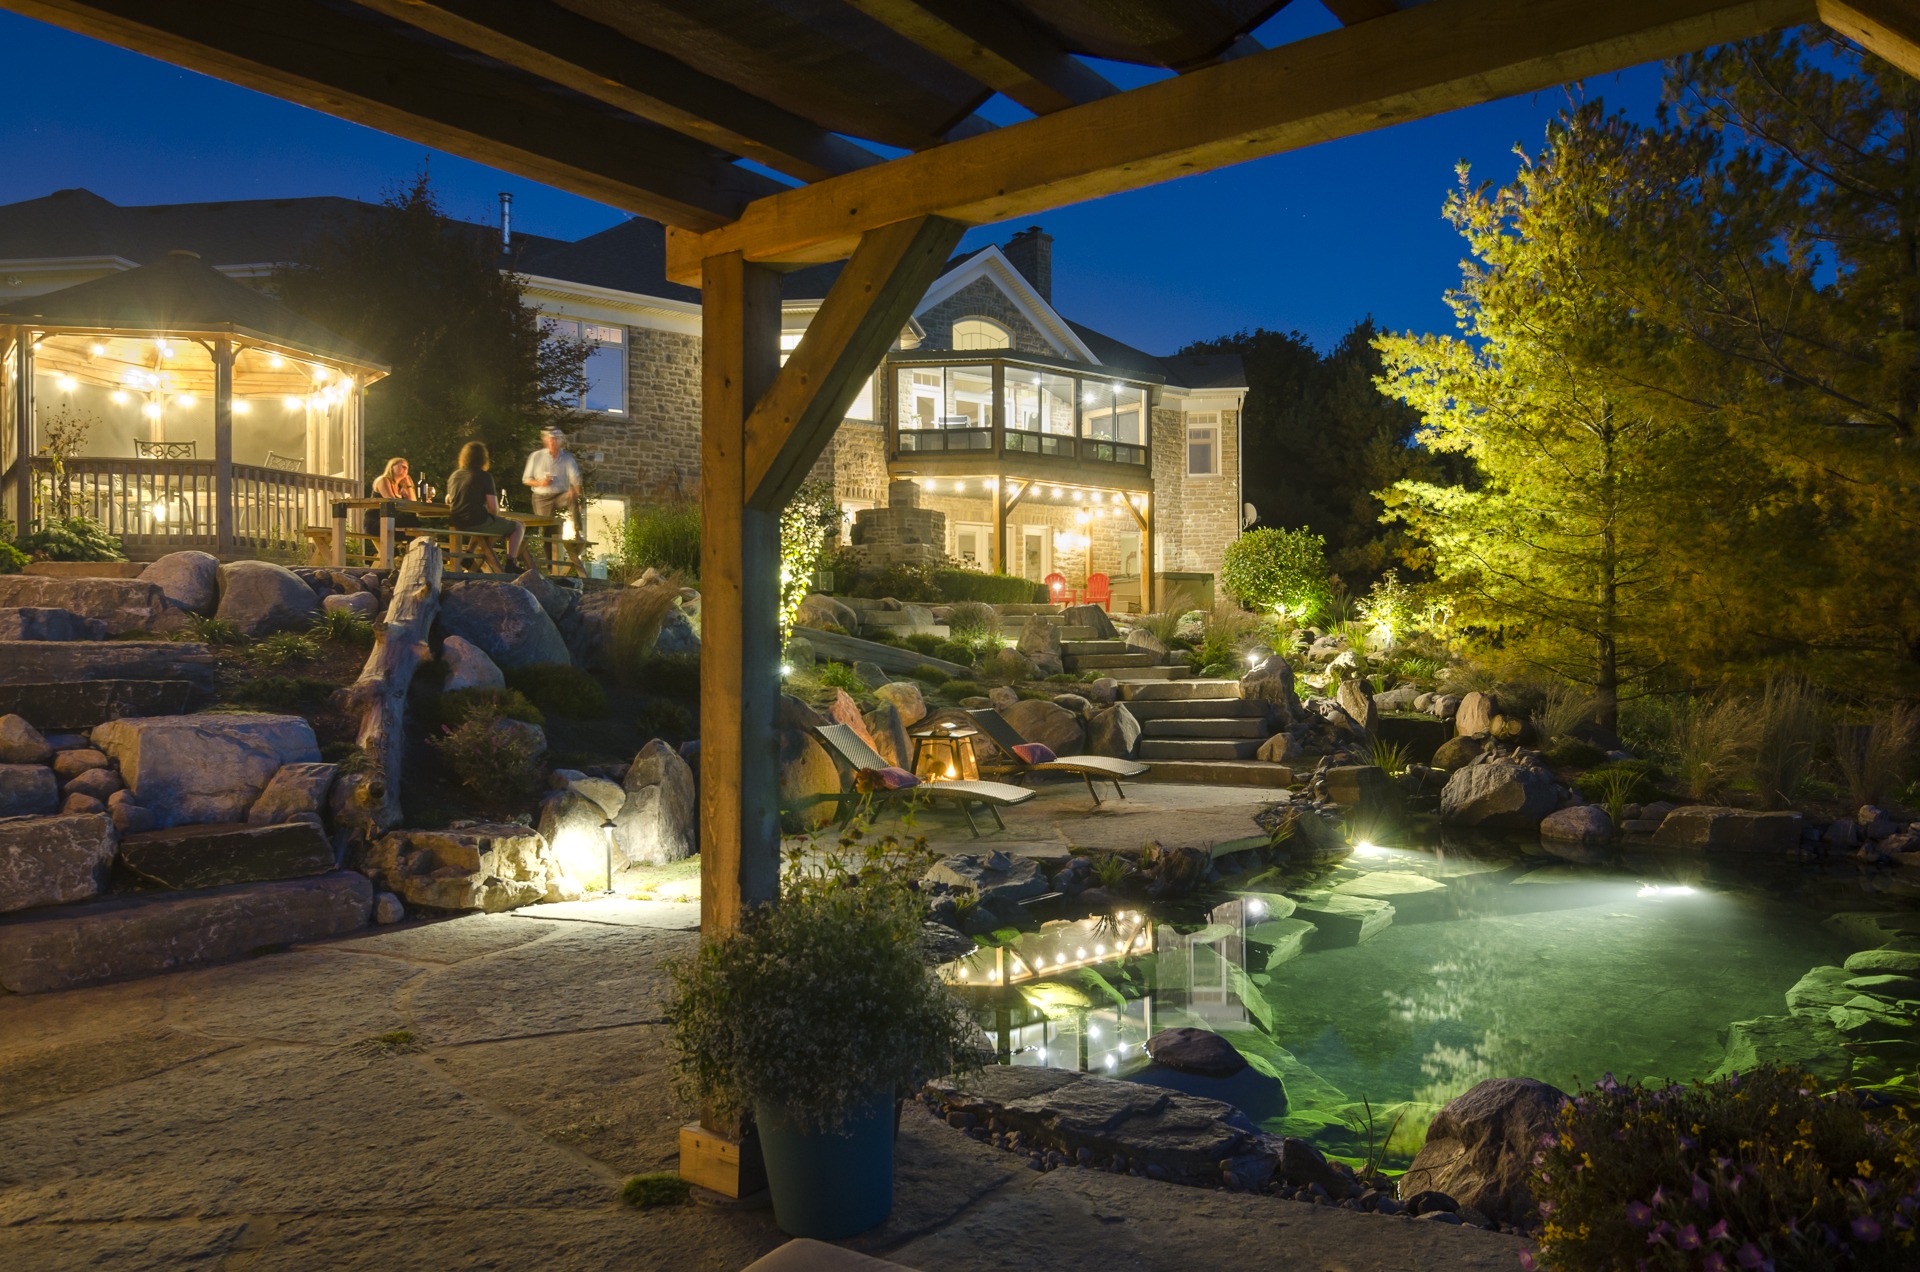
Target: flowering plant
1761, 1172
816, 1002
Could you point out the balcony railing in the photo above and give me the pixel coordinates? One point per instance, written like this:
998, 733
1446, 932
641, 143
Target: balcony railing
164, 505
938, 440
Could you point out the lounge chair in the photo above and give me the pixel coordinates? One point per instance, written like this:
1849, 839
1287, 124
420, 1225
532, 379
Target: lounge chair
852, 750
1106, 768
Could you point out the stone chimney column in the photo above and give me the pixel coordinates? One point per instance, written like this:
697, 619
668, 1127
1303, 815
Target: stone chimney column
1031, 252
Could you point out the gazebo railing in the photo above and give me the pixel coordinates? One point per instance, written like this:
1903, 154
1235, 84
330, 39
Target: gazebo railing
164, 505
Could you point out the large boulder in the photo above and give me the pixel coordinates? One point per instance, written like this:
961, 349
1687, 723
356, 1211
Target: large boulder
889, 732
1579, 824
53, 860
38, 623
678, 637
1196, 1051
215, 856
261, 598
1092, 616
204, 768
1461, 750
468, 666
1480, 1148
1711, 828
28, 790
992, 876
359, 604
1040, 642
660, 820
1142, 641
1355, 696
504, 621
1498, 794
21, 743
483, 866
1344, 725
191, 580
124, 605
574, 826
1476, 713
296, 792
1112, 731
1272, 682
553, 598
823, 611
1007, 664
844, 710
905, 695
1047, 723
809, 783
1364, 787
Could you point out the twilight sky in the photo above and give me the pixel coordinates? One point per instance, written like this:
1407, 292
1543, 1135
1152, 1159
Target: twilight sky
1314, 240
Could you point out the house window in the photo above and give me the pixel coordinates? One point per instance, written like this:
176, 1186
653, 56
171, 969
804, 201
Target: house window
606, 366
1203, 445
980, 333
973, 544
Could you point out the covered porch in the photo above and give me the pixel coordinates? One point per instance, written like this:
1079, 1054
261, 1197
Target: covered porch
179, 409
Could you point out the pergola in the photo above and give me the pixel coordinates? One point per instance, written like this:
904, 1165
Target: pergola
866, 108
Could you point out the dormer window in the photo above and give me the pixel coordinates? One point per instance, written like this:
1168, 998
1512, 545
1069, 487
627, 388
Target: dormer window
980, 333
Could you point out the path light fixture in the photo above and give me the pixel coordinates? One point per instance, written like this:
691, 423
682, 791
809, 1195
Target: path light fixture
606, 836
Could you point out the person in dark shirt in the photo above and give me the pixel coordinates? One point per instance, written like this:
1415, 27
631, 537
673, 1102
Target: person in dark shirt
474, 504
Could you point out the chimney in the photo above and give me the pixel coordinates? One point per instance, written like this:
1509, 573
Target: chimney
1031, 252
506, 220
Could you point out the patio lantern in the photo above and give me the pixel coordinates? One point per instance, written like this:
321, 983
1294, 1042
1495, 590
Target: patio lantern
944, 753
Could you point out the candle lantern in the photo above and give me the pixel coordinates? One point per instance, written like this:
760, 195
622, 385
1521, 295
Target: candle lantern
944, 753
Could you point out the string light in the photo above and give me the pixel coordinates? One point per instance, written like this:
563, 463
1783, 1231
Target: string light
241, 408
67, 383
99, 350
118, 397
276, 361
151, 410
294, 403
183, 399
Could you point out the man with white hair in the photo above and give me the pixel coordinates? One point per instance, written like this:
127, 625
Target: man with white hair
554, 477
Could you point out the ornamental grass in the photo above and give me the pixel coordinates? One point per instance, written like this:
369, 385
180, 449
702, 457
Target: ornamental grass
1760, 1172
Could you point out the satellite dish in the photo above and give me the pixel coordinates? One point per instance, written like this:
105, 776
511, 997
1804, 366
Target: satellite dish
1248, 515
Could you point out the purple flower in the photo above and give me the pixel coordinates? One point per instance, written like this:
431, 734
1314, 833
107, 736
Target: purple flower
1639, 1214
1659, 1195
1699, 1192
1607, 1083
1749, 1256
1714, 1263
1866, 1228
1718, 1232
1687, 1238
1659, 1234
1546, 1207
1526, 1261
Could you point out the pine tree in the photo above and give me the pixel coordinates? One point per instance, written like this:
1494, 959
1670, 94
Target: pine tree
470, 360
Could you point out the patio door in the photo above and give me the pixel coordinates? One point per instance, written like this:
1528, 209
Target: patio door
1036, 552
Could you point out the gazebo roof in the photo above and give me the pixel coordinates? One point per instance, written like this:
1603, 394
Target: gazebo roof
178, 294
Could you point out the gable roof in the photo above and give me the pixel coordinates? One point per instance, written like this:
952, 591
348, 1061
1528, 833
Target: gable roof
629, 257
180, 293
991, 263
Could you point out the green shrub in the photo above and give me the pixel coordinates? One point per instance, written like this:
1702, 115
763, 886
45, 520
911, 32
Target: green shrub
77, 538
1031, 694
212, 631
561, 689
954, 652
659, 718
1790, 725
1571, 752
932, 675
972, 623
664, 537
12, 559
284, 693
342, 627
675, 676
993, 589
454, 709
923, 643
1642, 778
838, 675
490, 760
1064, 678
1277, 571
664, 1189
958, 689
282, 648
1760, 1170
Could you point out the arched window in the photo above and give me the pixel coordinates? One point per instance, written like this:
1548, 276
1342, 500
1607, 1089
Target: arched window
980, 333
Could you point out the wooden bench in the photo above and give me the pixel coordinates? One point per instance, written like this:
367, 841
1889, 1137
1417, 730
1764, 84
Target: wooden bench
461, 543
361, 548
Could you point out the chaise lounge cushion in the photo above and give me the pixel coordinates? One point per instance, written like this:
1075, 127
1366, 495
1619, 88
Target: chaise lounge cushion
1035, 753
887, 778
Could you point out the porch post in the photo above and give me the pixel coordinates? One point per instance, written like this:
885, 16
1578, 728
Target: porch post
223, 447
18, 507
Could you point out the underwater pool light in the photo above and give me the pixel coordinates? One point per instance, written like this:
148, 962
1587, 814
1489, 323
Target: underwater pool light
1666, 890
1256, 908
1367, 848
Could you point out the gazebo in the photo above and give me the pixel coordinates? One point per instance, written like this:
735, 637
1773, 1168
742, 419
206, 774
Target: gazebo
180, 409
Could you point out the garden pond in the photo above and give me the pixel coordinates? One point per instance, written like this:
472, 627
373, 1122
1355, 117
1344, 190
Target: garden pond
1378, 989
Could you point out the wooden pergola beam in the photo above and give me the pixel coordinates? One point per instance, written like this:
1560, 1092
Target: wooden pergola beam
856, 324
1889, 29
1422, 61
315, 55
996, 46
599, 62
1352, 12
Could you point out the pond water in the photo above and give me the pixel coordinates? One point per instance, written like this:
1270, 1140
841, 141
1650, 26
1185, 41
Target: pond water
1403, 976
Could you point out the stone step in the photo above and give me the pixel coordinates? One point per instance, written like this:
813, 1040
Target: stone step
1188, 727
46, 662
120, 938
1144, 674
1187, 689
1198, 748
214, 855
81, 704
1079, 648
1099, 662
1220, 773
1144, 709
1075, 634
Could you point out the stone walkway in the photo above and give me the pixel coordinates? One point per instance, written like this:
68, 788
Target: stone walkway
471, 1093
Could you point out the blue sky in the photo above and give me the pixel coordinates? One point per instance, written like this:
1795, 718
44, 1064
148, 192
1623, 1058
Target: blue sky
1313, 240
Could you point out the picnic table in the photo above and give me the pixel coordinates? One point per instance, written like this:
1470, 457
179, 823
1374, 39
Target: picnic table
543, 536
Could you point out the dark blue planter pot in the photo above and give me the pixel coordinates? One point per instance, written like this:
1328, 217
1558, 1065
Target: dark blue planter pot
828, 1185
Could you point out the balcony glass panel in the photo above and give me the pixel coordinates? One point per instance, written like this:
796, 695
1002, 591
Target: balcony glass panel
1113, 423
1039, 413
945, 408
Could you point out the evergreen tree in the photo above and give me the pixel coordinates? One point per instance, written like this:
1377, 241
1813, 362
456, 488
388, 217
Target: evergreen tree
470, 360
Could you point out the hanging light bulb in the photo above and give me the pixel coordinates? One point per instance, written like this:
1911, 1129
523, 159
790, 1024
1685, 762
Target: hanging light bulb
67, 383
98, 350
276, 361
183, 399
151, 410
118, 397
241, 407
293, 403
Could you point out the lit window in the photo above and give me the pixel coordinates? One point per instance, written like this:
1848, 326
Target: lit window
979, 333
1203, 446
606, 366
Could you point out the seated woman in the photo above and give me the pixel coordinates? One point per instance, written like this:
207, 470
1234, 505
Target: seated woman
394, 482
474, 504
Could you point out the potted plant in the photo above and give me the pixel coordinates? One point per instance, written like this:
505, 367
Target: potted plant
812, 1018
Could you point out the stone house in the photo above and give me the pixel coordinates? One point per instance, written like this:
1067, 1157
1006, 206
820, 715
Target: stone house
998, 432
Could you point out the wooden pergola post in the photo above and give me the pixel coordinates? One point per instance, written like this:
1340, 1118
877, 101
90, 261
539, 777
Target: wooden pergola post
19, 496
223, 450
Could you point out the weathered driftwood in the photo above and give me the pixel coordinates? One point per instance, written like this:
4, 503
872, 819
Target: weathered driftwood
366, 799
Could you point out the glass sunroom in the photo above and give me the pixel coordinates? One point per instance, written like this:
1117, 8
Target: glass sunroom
1043, 467
179, 409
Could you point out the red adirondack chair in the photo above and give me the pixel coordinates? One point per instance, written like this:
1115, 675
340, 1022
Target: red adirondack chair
1099, 591
1057, 589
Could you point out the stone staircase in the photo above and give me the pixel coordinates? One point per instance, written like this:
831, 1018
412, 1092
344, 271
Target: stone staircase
1201, 731
1113, 658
